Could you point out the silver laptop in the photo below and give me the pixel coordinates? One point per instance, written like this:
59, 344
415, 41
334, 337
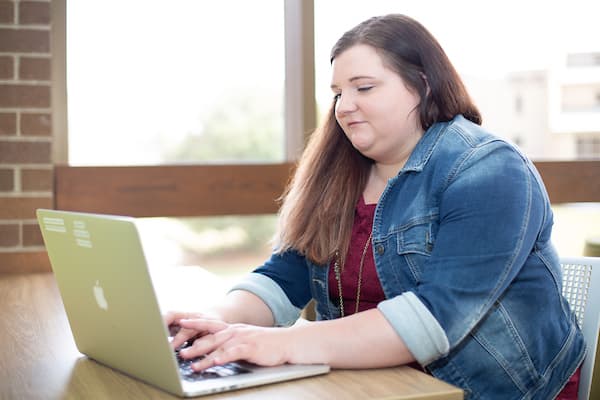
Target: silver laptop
114, 313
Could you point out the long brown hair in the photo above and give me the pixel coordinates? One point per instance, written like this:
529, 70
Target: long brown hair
317, 213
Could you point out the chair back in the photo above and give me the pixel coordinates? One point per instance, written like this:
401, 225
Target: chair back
581, 288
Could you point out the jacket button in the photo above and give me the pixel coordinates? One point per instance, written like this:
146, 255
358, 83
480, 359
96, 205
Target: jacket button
380, 249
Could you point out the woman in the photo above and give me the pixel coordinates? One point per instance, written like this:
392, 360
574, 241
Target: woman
420, 236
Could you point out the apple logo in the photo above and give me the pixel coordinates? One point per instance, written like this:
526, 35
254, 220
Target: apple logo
99, 295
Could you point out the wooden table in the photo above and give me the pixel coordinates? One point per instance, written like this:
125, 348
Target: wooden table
39, 360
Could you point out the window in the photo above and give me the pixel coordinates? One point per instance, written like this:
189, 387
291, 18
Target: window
590, 59
182, 82
479, 58
581, 98
175, 82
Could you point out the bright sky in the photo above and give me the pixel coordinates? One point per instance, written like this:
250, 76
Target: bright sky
137, 77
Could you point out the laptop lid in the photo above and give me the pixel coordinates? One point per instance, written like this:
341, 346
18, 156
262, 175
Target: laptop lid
111, 304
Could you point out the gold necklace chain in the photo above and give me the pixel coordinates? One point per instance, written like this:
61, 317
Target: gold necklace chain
338, 275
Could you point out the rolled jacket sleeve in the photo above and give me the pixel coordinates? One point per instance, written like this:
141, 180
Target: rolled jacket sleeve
418, 328
284, 312
282, 283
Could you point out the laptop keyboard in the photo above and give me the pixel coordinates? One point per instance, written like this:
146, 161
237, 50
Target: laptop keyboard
219, 371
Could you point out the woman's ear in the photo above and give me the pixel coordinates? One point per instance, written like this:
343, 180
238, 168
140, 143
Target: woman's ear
424, 77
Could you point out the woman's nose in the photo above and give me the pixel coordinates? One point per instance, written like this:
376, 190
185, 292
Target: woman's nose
345, 104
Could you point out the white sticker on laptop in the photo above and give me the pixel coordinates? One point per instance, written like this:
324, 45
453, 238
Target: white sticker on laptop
82, 235
84, 243
54, 224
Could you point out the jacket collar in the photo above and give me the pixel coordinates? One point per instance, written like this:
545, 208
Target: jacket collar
425, 147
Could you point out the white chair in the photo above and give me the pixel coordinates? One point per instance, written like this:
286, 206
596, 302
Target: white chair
581, 288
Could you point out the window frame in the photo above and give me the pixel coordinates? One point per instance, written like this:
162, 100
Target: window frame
234, 189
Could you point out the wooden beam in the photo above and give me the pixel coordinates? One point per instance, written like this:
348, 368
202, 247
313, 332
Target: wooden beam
571, 181
172, 191
205, 190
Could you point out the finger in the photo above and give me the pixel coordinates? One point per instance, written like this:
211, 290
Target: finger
204, 363
169, 317
203, 324
228, 354
217, 357
172, 317
195, 327
207, 344
183, 336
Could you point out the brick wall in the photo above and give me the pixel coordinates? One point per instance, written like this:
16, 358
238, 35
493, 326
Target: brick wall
26, 174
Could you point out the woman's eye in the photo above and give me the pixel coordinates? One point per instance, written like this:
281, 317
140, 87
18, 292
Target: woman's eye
364, 88
336, 96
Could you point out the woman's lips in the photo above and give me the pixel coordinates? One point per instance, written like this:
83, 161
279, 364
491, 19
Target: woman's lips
354, 123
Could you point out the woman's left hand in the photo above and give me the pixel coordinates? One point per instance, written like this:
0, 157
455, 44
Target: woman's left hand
223, 343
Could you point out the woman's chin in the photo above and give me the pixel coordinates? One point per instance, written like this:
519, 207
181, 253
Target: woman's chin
362, 145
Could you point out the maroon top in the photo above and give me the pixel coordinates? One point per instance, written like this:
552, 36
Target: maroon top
570, 390
371, 292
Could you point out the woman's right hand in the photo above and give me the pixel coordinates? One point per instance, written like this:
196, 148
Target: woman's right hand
239, 306
179, 334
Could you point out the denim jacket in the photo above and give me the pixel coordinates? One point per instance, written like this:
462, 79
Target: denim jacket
461, 241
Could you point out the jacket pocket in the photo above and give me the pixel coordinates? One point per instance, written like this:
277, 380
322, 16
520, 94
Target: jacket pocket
415, 243
418, 236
